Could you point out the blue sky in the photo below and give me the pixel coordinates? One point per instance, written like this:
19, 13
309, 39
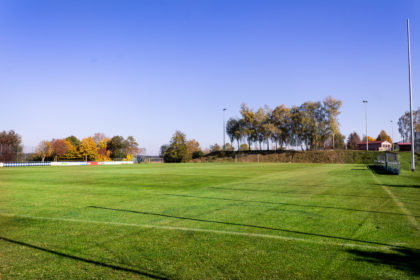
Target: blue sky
148, 68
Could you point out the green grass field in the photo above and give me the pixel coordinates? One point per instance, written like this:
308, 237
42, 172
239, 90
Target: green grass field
209, 221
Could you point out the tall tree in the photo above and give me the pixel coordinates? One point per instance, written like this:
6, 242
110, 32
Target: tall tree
230, 129
10, 145
72, 151
193, 149
352, 141
248, 124
314, 126
234, 130
117, 147
281, 118
339, 141
177, 149
404, 124
44, 150
384, 137
131, 146
88, 149
331, 108
259, 125
267, 128
297, 126
59, 147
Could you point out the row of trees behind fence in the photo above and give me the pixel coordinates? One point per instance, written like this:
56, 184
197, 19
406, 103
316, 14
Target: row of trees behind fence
312, 125
99, 147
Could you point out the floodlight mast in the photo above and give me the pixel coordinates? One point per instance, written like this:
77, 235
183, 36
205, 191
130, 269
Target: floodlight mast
367, 138
413, 166
224, 129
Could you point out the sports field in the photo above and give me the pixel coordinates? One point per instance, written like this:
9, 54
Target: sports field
209, 221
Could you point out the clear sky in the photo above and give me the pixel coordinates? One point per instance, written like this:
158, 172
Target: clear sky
148, 68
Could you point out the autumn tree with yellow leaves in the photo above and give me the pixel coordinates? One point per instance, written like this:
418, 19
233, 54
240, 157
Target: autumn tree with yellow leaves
103, 153
88, 149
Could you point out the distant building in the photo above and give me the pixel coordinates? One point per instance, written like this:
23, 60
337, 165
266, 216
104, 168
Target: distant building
417, 141
404, 146
375, 146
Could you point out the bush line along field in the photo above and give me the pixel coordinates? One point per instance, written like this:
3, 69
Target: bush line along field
328, 156
209, 221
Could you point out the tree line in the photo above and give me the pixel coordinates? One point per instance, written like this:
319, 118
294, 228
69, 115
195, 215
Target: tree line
97, 147
312, 125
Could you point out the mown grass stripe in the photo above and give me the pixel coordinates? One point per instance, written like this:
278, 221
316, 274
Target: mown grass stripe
236, 233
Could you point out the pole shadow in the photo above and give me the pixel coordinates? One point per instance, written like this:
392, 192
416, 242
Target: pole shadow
114, 267
306, 193
405, 259
291, 204
250, 226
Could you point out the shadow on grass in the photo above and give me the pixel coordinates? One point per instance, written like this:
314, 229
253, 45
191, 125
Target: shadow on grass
115, 267
400, 186
305, 193
404, 259
377, 170
291, 204
249, 226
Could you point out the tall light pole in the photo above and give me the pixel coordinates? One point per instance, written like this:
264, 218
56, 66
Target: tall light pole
224, 129
413, 166
367, 140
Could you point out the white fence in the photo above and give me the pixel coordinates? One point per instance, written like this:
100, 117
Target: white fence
63, 163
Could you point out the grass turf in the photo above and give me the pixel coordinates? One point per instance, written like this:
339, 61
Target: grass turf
209, 221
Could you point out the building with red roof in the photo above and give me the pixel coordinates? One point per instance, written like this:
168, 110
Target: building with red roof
375, 146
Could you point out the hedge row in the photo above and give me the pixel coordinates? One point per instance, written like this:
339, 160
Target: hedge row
330, 156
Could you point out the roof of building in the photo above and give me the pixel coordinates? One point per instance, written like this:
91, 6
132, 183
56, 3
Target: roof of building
403, 143
372, 142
